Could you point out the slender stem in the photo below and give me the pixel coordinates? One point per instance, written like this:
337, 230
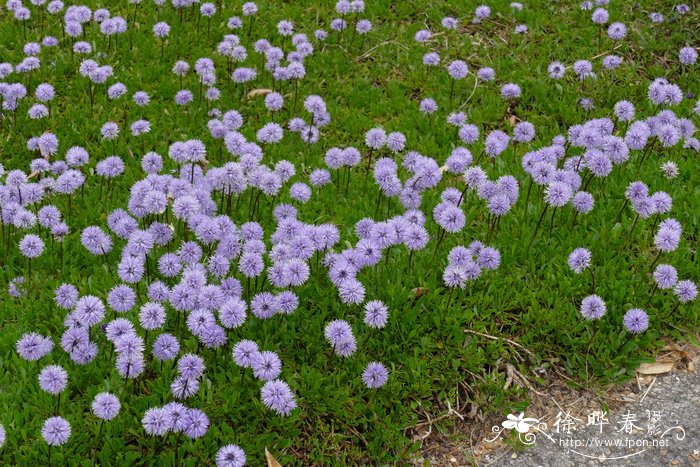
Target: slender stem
539, 222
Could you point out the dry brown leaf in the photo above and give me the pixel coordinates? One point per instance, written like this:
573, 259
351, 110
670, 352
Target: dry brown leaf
258, 92
419, 291
271, 461
656, 368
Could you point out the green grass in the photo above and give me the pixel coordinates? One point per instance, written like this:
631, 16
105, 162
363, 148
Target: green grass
532, 298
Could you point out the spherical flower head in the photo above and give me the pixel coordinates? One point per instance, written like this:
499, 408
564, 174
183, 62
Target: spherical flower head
579, 259
636, 320
230, 455
524, 132
31, 246
582, 202
557, 194
161, 29
600, 16
593, 307
183, 97
56, 431
457, 69
375, 138
277, 396
667, 240
488, 258
285, 28
109, 130
482, 12
363, 26
428, 106
105, 406
337, 332
556, 70
166, 347
510, 91
665, 276
244, 353
375, 375
669, 169
687, 56
431, 59
612, 62
249, 8
53, 379
266, 365
469, 133
624, 111
617, 31
486, 74
33, 346
270, 133
376, 314
422, 36
686, 291
155, 421
195, 423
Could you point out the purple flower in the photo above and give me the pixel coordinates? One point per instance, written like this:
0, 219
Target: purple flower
375, 138
593, 307
277, 396
182, 388
469, 133
31, 246
33, 346
166, 347
183, 97
556, 70
230, 455
156, 421
482, 12
121, 298
636, 320
579, 259
600, 16
270, 133
152, 316
510, 91
376, 314
582, 202
617, 31
55, 431
244, 352
105, 406
486, 74
688, 56
686, 291
457, 69
266, 365
338, 333
53, 379
431, 59
375, 375
665, 276
351, 291
666, 239
428, 106
557, 194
